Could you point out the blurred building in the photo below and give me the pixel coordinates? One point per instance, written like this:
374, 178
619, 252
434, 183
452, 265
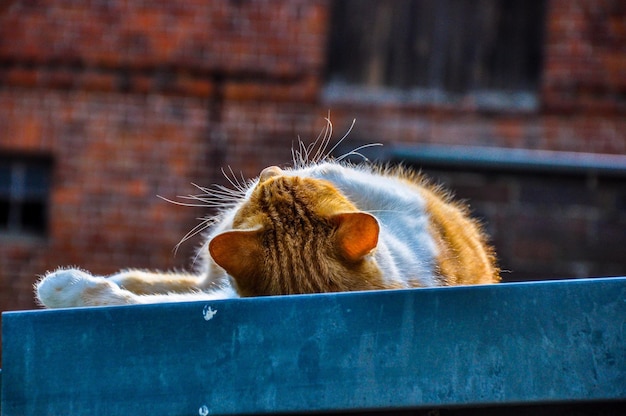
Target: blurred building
105, 105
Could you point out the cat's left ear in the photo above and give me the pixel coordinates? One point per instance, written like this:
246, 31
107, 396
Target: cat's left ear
238, 252
357, 234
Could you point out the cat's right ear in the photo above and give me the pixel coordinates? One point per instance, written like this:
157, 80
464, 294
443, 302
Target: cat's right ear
357, 234
239, 252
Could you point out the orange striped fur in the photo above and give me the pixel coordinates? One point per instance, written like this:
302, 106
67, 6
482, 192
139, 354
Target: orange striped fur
290, 230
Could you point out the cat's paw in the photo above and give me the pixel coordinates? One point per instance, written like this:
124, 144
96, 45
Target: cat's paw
72, 287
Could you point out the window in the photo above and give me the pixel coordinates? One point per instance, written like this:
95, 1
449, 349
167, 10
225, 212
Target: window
24, 190
450, 47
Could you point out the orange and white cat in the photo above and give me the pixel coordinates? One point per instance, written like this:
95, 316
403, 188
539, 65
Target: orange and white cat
320, 226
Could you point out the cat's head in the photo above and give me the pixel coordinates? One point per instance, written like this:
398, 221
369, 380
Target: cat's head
298, 235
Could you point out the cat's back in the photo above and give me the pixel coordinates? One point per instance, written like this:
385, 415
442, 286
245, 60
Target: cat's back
370, 188
430, 238
406, 251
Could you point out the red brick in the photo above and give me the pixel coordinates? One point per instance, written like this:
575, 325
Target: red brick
92, 80
21, 77
194, 86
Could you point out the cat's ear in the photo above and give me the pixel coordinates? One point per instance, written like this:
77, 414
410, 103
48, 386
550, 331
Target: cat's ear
238, 252
357, 234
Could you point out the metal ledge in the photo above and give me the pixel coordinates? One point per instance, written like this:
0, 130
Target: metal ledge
508, 344
505, 159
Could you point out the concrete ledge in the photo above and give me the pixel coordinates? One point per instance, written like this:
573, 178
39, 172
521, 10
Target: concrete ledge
502, 345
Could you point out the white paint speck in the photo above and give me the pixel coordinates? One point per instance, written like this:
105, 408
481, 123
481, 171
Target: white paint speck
203, 410
208, 313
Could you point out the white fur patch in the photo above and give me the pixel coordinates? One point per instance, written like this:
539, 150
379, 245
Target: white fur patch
66, 288
406, 249
72, 287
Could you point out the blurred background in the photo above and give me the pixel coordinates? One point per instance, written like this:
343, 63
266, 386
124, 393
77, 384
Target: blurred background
518, 107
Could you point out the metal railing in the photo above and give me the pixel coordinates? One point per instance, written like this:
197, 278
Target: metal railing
556, 343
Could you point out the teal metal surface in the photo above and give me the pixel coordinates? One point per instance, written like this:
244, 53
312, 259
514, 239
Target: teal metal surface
498, 158
518, 343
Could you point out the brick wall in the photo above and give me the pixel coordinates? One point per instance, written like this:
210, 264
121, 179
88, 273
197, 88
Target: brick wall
138, 99
585, 60
134, 101
259, 37
111, 158
547, 226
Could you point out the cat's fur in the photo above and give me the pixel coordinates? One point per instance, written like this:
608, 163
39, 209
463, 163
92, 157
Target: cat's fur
321, 226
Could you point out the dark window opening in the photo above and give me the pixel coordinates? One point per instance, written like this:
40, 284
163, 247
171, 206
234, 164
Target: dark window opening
24, 194
452, 46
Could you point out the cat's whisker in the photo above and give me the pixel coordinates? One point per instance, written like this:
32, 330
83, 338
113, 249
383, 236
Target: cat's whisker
356, 152
214, 197
226, 189
204, 189
219, 192
234, 181
326, 142
207, 203
293, 156
312, 146
306, 153
202, 198
203, 225
298, 155
203, 249
302, 156
240, 186
344, 138
216, 201
184, 204
321, 149
219, 198
231, 178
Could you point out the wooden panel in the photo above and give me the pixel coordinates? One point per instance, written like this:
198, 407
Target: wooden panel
522, 343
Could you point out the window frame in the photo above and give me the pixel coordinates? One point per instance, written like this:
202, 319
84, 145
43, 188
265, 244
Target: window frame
339, 89
29, 187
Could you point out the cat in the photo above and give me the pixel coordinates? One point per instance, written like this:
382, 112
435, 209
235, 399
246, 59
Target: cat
323, 225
